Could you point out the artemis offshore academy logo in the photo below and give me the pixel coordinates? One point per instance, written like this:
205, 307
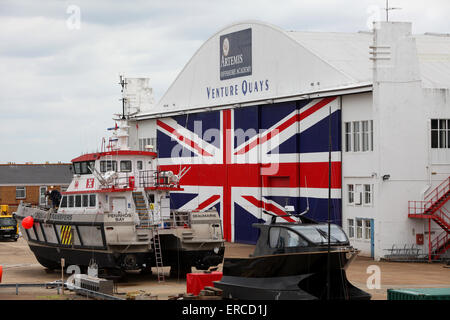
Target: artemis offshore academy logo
236, 54
226, 47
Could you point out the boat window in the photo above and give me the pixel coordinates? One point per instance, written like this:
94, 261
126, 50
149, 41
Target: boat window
139, 165
125, 166
92, 200
78, 200
285, 238
108, 166
85, 200
274, 235
84, 169
91, 164
319, 233
71, 202
64, 202
77, 168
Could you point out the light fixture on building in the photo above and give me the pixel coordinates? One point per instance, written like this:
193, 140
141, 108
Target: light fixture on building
386, 177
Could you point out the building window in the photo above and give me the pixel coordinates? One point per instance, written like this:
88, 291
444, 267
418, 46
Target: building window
365, 135
440, 133
139, 165
371, 135
359, 228
359, 136
348, 136
351, 228
351, 193
356, 137
21, 192
367, 194
147, 142
367, 229
42, 197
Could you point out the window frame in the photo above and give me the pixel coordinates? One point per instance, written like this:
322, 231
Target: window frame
367, 229
71, 201
42, 196
104, 165
78, 201
356, 136
64, 203
365, 131
367, 194
21, 189
348, 137
92, 196
359, 228
351, 194
439, 133
125, 163
351, 228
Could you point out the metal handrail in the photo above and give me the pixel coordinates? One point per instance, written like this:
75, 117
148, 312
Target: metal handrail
439, 241
155, 178
444, 217
439, 191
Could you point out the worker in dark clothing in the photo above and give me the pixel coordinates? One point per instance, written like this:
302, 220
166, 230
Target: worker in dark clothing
55, 196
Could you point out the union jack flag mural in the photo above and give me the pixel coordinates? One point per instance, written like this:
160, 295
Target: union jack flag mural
247, 159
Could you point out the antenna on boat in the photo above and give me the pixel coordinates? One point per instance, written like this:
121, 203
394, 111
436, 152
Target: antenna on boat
122, 83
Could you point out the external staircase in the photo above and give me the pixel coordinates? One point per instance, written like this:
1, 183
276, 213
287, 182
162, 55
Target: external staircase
141, 210
433, 208
146, 223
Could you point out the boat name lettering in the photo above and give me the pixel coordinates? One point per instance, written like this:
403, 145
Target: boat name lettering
119, 216
54, 216
203, 215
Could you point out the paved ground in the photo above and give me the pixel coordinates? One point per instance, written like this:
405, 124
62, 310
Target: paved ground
20, 265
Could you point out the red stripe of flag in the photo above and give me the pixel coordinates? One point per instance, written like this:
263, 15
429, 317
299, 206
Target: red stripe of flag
181, 138
207, 202
267, 206
285, 125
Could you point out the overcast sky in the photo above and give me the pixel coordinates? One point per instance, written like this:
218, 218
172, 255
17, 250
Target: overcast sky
59, 74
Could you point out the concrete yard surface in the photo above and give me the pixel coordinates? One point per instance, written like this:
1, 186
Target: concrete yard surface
20, 266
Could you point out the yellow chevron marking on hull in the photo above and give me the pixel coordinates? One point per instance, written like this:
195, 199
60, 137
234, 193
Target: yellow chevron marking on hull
66, 235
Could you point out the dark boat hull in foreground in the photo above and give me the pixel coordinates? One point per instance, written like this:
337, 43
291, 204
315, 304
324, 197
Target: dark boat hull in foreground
291, 261
296, 276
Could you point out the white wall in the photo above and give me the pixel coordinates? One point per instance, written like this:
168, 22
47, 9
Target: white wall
402, 109
358, 169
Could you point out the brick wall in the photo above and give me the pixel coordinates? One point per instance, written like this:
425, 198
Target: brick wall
8, 196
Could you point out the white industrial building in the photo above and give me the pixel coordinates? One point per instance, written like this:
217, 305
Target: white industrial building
390, 92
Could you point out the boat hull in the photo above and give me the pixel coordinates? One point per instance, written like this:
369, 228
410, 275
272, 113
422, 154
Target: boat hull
292, 276
80, 238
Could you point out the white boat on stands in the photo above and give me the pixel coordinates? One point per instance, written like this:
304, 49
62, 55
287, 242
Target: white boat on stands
116, 211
